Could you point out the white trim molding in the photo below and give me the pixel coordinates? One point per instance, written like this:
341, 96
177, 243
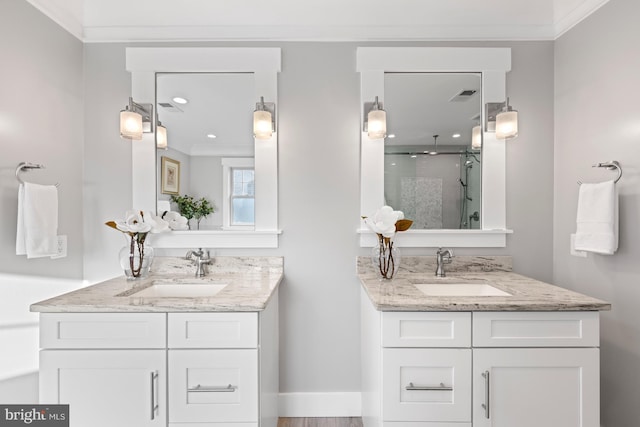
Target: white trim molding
493, 63
265, 64
339, 404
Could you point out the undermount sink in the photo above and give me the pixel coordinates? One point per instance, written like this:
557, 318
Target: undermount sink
460, 290
161, 289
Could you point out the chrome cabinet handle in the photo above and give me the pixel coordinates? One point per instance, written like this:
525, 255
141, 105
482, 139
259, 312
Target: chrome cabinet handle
212, 389
154, 404
441, 387
487, 393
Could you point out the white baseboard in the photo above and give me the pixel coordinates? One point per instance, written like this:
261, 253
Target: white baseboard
348, 404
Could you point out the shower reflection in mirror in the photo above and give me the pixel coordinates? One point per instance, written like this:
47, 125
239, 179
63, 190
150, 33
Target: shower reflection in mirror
433, 165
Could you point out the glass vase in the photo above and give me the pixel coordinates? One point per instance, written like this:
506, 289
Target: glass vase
385, 257
136, 257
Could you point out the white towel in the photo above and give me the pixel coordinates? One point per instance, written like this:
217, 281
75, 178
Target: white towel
597, 219
37, 220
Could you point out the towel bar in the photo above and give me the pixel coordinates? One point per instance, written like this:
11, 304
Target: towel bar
25, 166
611, 165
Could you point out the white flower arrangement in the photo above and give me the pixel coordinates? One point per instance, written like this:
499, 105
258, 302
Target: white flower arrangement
136, 225
386, 223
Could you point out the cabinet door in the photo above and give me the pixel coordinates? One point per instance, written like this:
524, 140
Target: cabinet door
213, 385
426, 385
537, 387
106, 388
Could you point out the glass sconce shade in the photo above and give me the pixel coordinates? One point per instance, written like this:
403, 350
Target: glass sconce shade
476, 137
161, 137
262, 128
377, 124
130, 125
507, 124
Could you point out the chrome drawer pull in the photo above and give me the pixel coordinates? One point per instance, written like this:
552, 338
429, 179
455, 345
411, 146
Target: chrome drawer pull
154, 405
487, 393
441, 387
212, 389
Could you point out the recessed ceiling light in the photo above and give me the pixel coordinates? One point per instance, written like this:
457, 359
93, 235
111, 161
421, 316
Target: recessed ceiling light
456, 135
212, 136
413, 156
393, 164
391, 135
179, 100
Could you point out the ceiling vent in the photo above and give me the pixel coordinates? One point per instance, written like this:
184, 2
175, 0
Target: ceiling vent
463, 95
169, 107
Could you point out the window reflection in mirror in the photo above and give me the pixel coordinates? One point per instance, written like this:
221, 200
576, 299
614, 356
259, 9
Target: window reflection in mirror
208, 117
432, 172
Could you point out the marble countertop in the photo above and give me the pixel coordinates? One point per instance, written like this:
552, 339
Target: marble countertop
527, 294
251, 282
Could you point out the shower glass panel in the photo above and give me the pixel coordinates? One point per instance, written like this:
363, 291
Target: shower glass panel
432, 173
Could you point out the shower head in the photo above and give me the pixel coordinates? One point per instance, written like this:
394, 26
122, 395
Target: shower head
468, 164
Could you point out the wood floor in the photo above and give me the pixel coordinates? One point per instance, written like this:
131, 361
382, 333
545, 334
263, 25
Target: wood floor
320, 422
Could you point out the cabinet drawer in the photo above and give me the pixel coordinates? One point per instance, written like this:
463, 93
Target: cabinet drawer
536, 329
223, 425
213, 330
103, 330
426, 329
427, 385
213, 385
414, 424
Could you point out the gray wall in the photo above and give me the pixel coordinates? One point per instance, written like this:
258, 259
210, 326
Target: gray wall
41, 121
319, 176
319, 206
598, 119
41, 116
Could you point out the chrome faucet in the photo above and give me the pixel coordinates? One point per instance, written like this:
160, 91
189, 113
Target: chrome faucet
442, 258
201, 259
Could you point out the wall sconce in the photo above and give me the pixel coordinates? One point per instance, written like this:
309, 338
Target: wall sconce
264, 119
135, 120
507, 123
476, 137
161, 137
501, 119
375, 124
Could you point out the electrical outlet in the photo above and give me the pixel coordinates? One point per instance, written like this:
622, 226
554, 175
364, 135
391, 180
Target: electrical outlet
62, 247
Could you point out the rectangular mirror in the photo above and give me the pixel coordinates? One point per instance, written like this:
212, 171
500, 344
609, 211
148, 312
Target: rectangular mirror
431, 170
434, 193
260, 66
208, 117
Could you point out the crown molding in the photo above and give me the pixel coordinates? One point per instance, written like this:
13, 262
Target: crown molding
113, 34
577, 15
61, 15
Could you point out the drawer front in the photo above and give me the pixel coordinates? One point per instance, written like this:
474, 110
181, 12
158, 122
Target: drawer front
536, 329
213, 330
414, 424
103, 330
426, 385
221, 425
213, 385
426, 329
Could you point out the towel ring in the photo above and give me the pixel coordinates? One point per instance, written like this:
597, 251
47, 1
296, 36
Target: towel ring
25, 167
611, 165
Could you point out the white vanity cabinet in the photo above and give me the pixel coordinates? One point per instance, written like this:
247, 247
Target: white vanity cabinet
110, 368
480, 369
162, 369
213, 368
536, 369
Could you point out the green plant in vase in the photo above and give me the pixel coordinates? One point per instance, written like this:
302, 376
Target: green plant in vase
191, 208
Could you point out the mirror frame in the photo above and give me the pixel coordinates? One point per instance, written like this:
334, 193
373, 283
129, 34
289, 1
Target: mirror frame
265, 64
493, 64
